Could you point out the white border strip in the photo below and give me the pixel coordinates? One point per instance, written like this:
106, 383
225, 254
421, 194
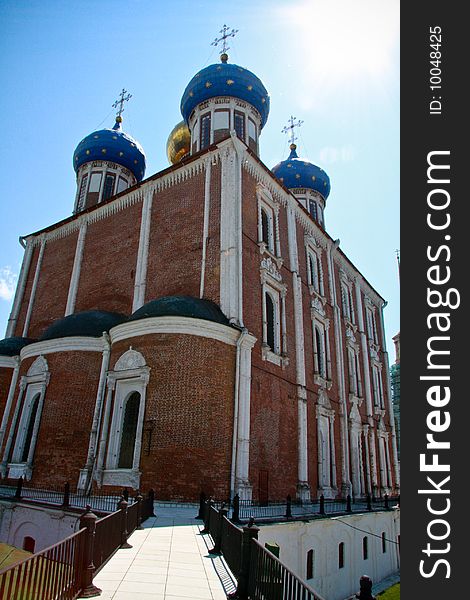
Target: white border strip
176, 325
68, 344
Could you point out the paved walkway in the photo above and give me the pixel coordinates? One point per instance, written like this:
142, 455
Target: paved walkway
169, 560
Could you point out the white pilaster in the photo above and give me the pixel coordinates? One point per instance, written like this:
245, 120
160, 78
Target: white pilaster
230, 238
142, 253
11, 433
242, 484
33, 289
11, 393
343, 413
20, 289
75, 277
205, 231
84, 478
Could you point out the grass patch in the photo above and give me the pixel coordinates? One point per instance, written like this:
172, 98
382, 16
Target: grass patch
393, 593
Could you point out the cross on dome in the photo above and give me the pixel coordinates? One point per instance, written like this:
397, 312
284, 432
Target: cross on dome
120, 103
289, 129
223, 39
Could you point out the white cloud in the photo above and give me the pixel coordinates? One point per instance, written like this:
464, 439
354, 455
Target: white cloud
344, 45
330, 154
7, 283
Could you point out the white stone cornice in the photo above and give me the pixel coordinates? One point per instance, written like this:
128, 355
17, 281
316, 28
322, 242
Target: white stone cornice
69, 344
8, 362
177, 325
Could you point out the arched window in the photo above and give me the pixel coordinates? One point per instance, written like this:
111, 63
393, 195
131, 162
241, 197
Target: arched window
129, 430
265, 228
341, 555
310, 557
30, 428
270, 322
365, 550
320, 352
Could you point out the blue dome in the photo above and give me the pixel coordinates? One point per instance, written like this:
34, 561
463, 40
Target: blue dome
225, 79
297, 173
181, 306
113, 145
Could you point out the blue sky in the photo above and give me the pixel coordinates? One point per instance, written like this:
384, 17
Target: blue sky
332, 63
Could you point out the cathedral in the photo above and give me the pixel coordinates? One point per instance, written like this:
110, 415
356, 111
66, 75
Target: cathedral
197, 329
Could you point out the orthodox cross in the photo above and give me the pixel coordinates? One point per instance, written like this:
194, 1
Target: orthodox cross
224, 37
120, 102
291, 128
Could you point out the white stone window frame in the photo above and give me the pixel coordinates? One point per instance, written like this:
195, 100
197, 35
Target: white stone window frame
325, 416
314, 252
371, 323
347, 299
354, 366
321, 323
384, 459
267, 203
130, 375
33, 383
377, 387
277, 292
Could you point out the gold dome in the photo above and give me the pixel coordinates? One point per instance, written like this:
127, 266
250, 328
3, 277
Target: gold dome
179, 143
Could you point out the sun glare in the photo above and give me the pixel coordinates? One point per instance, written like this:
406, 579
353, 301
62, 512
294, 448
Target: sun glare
345, 44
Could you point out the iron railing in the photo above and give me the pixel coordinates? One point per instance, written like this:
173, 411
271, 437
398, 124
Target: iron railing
52, 573
243, 510
67, 568
270, 579
63, 497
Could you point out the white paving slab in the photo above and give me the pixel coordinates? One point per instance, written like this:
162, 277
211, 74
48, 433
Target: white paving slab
169, 560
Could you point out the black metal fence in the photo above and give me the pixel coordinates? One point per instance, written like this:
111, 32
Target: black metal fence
243, 510
270, 579
64, 497
66, 569
259, 574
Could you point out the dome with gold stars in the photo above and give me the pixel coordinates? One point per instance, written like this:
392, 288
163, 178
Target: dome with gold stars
298, 173
178, 144
111, 145
224, 79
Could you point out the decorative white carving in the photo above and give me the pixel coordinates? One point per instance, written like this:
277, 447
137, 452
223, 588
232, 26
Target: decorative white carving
130, 360
38, 367
269, 266
350, 334
317, 306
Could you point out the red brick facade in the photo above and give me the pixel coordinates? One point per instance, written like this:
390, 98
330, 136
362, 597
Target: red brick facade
195, 380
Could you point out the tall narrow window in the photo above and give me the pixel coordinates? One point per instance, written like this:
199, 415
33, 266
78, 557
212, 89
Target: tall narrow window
341, 555
320, 353
312, 209
122, 184
129, 430
265, 227
205, 139
252, 143
82, 194
309, 564
239, 118
108, 187
30, 429
221, 124
365, 549
270, 323
384, 543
